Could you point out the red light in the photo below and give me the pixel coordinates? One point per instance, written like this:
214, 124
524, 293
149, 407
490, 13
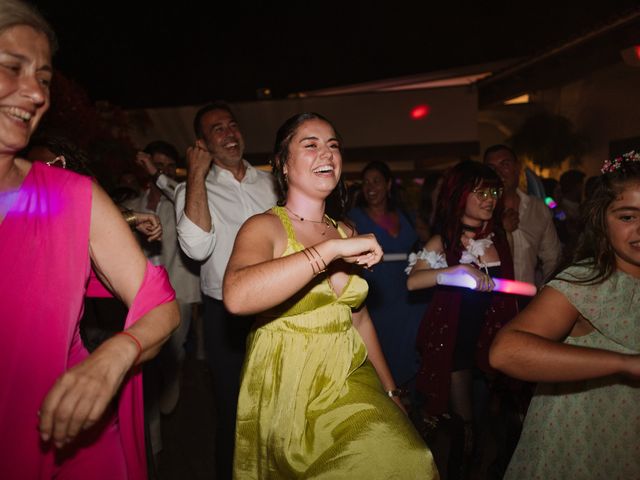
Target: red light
637, 49
420, 111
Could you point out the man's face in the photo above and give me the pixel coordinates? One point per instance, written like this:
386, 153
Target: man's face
507, 167
164, 163
222, 138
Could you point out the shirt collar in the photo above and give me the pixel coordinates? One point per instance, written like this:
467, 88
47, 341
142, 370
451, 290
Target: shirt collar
250, 174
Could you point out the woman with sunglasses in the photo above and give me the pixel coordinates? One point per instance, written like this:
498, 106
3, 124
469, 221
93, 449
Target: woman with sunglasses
458, 327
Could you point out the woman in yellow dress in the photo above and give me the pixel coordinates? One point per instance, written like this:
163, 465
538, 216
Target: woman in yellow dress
317, 399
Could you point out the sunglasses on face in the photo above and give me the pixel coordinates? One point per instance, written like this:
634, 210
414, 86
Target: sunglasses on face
484, 193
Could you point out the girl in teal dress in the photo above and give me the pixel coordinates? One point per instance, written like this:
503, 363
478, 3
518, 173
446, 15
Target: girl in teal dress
317, 399
580, 338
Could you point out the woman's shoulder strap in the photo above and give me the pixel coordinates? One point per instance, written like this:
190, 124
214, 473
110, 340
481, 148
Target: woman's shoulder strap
281, 213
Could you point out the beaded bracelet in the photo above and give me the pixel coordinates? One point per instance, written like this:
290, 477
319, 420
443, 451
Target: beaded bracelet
137, 342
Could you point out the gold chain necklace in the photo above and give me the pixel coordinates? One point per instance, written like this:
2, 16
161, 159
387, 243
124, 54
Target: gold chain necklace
325, 220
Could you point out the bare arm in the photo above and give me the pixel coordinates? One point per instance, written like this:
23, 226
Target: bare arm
79, 397
530, 346
257, 278
163, 182
364, 325
423, 276
196, 206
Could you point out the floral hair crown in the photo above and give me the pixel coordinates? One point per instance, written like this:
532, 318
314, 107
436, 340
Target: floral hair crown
613, 165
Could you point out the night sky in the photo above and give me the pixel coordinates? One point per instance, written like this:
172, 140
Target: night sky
137, 54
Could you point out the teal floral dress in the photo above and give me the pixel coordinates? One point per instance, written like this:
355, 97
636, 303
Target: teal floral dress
588, 429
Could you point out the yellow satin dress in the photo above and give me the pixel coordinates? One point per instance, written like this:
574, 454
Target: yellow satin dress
311, 405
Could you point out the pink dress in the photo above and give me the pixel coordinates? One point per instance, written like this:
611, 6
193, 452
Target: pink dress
44, 267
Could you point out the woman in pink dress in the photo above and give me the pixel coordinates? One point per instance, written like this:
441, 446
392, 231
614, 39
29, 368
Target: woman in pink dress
64, 413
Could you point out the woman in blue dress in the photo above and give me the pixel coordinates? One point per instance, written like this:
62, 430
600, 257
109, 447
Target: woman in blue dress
395, 311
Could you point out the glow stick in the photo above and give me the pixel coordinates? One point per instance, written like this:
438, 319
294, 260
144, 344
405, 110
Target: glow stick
501, 284
551, 203
394, 257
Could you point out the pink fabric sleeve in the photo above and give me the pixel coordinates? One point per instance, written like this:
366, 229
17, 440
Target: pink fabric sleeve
95, 288
155, 290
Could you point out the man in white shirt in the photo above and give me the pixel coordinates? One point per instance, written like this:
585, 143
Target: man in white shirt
221, 192
527, 218
162, 375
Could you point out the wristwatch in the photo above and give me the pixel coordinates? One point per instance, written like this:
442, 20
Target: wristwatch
396, 392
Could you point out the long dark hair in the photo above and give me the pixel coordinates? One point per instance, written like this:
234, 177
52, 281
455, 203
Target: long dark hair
427, 207
457, 184
337, 200
594, 248
76, 159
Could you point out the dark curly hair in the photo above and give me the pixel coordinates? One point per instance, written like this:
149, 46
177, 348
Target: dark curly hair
76, 158
337, 200
594, 248
457, 184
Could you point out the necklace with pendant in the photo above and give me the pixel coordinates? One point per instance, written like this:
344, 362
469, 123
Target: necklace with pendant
325, 220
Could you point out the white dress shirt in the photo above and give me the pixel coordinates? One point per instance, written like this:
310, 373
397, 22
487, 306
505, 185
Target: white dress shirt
535, 238
183, 272
167, 185
231, 203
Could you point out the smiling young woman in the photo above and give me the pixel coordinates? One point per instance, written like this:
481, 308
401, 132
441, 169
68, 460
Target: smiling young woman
317, 398
395, 311
458, 327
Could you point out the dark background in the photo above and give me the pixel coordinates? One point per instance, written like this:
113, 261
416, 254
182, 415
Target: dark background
142, 54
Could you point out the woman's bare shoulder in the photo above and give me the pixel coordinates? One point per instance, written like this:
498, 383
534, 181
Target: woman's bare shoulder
266, 219
434, 244
263, 226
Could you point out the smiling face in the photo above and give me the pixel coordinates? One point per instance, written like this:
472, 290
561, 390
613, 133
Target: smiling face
314, 162
223, 138
480, 205
25, 75
375, 188
623, 227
